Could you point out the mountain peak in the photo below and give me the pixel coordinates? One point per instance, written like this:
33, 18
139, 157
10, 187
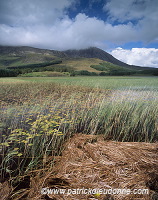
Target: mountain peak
94, 52
90, 52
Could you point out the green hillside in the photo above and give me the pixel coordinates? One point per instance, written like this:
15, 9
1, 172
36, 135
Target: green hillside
15, 61
107, 68
34, 62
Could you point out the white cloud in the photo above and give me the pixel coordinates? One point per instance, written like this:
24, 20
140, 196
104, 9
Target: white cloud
45, 24
147, 57
142, 13
124, 10
67, 33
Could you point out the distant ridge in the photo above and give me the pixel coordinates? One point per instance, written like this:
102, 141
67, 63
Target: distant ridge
21, 50
91, 52
94, 52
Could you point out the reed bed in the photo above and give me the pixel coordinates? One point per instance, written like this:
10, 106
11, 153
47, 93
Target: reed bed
37, 118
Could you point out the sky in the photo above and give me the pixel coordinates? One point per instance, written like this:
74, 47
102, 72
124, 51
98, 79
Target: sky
127, 29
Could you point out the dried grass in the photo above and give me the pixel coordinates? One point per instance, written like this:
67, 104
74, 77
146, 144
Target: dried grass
88, 161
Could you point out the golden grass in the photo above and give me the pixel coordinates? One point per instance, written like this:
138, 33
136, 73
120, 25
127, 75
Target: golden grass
83, 63
89, 161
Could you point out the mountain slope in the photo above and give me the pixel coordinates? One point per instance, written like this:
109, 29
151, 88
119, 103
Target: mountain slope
15, 56
18, 56
94, 52
22, 50
37, 54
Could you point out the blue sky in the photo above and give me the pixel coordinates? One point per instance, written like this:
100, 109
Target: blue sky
128, 29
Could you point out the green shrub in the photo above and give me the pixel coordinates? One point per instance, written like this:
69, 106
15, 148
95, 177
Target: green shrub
7, 73
103, 74
37, 65
86, 73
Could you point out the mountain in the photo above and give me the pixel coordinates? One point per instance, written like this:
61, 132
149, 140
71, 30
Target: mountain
22, 50
94, 52
91, 52
93, 60
14, 56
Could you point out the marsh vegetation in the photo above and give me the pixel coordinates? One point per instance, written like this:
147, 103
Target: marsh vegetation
39, 114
